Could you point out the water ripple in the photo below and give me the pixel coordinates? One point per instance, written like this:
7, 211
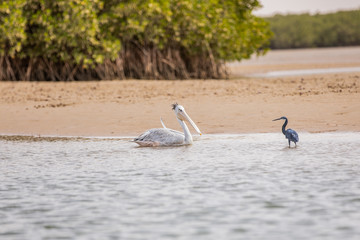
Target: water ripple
249, 186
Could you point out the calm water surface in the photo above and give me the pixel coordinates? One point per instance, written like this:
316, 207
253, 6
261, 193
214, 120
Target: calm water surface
249, 186
301, 72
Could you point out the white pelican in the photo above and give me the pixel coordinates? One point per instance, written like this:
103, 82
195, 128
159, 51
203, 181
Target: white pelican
168, 137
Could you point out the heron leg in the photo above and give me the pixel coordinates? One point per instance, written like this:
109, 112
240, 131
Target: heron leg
289, 142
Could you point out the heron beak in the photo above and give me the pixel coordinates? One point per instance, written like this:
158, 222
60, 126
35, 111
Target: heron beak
277, 119
187, 118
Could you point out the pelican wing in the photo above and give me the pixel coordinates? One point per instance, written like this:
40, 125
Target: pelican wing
160, 137
163, 124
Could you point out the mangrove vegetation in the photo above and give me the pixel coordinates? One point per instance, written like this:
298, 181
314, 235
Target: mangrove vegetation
319, 30
118, 39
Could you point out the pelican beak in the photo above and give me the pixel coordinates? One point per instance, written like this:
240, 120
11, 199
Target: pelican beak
187, 118
277, 119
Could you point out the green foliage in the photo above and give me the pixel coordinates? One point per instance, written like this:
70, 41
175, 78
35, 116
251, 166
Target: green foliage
67, 31
146, 36
320, 30
227, 28
12, 27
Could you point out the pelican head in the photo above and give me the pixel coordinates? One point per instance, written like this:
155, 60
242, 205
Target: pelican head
284, 118
183, 116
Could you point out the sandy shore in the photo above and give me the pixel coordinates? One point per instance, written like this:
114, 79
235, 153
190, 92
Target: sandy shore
317, 103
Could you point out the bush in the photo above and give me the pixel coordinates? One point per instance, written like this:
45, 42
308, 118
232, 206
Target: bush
320, 30
106, 39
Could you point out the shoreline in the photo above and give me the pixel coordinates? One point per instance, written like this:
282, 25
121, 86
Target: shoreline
323, 103
238, 105
53, 138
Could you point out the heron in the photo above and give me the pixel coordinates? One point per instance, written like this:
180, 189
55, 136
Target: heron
167, 137
290, 134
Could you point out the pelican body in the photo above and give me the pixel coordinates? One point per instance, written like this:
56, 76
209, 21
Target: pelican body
167, 137
290, 134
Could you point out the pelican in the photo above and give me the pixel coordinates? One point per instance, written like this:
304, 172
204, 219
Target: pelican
168, 137
290, 134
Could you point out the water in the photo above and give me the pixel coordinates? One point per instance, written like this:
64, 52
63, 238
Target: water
300, 72
249, 186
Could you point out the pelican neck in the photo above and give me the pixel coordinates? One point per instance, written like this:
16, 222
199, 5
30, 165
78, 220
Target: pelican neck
188, 138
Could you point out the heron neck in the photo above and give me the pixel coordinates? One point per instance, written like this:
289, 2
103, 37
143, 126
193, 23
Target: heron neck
284, 125
188, 137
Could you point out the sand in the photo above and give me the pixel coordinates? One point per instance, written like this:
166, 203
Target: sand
313, 103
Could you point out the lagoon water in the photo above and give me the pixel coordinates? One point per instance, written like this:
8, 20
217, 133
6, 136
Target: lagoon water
302, 72
246, 186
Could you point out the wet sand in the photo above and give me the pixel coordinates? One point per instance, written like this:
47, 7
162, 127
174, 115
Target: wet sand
313, 103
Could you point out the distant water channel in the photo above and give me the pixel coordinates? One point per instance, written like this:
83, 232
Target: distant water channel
246, 186
301, 72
